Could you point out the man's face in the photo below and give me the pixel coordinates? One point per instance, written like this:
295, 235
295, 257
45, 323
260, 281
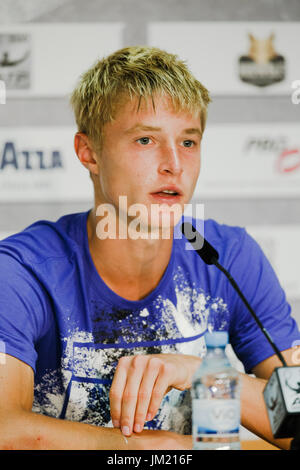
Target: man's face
146, 152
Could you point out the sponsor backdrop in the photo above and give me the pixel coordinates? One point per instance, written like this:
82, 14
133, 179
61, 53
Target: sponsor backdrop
47, 59
250, 160
280, 243
39, 164
246, 56
246, 53
235, 58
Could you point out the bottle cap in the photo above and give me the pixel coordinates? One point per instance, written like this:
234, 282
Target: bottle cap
216, 339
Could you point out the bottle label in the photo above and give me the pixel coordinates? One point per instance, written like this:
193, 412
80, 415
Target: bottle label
216, 416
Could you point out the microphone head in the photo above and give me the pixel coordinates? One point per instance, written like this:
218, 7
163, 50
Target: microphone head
206, 252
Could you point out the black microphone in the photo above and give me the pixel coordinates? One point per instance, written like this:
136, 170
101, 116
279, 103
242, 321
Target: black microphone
280, 393
210, 256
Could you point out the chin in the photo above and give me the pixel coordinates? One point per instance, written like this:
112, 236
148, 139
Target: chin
165, 221
153, 221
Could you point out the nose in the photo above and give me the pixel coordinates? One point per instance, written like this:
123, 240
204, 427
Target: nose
170, 161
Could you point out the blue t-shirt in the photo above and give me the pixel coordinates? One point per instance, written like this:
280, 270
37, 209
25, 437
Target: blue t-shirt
58, 316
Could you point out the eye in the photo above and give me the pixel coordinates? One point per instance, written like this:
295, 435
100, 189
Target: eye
144, 140
188, 143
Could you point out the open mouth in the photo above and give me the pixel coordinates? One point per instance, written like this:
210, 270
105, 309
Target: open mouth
167, 193
167, 197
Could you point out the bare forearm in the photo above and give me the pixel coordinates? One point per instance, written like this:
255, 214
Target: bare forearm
31, 431
28, 430
253, 411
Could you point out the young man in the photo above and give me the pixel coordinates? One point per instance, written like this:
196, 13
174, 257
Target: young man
102, 334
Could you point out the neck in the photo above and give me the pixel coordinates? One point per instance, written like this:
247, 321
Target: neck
132, 268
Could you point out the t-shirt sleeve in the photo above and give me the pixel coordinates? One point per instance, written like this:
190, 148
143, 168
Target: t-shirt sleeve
22, 310
258, 282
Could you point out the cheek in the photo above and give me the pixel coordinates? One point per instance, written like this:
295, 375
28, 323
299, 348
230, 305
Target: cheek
142, 172
194, 169
192, 176
110, 182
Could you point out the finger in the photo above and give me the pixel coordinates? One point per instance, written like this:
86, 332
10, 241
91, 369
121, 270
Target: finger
130, 393
145, 392
160, 387
117, 389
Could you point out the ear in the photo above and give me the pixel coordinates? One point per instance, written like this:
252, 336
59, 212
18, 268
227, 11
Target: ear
85, 152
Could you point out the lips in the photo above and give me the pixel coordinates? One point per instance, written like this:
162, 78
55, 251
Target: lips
167, 195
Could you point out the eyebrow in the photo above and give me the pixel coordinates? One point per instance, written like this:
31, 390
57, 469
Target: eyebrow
193, 130
142, 127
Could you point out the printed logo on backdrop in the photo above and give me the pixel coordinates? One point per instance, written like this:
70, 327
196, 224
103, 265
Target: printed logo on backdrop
287, 160
296, 94
15, 49
262, 65
39, 164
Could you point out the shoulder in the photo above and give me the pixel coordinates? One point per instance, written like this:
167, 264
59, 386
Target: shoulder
227, 240
221, 234
43, 240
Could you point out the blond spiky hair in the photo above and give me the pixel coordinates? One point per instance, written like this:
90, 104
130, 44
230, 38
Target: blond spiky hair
134, 72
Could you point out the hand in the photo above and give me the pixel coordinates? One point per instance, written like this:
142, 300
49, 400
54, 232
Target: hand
140, 383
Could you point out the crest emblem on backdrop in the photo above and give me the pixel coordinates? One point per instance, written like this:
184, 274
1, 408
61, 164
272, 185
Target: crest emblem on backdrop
15, 60
262, 65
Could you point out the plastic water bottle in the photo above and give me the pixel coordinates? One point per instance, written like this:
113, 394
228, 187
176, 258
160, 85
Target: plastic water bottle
216, 398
